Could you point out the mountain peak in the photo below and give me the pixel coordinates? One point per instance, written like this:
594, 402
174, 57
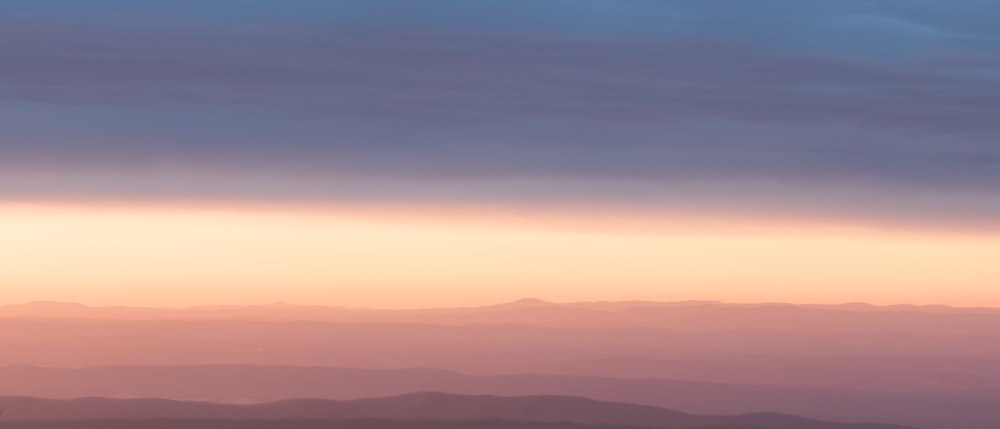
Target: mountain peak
47, 308
527, 302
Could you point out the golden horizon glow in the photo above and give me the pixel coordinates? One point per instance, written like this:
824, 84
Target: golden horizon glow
184, 255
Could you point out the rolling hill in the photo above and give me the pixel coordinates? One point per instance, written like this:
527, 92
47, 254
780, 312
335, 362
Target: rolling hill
417, 406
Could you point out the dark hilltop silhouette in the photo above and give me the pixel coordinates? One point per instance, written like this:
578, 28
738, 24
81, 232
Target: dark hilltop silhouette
411, 407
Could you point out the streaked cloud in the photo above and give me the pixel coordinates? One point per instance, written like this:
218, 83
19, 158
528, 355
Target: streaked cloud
628, 103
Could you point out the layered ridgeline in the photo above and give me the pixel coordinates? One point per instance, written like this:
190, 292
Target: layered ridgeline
255, 384
910, 349
417, 406
932, 366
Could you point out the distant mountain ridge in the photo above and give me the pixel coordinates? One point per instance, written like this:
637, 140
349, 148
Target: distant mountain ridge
57, 309
415, 406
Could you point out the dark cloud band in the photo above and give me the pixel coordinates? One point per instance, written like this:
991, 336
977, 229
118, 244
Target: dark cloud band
430, 101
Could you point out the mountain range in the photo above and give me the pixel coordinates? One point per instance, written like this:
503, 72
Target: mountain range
928, 366
417, 406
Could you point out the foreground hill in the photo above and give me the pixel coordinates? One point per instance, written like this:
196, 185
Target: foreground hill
252, 384
325, 424
416, 406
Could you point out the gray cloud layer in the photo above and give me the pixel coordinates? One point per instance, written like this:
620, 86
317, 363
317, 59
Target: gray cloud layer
858, 94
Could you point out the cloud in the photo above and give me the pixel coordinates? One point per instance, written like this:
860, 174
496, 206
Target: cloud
435, 100
778, 22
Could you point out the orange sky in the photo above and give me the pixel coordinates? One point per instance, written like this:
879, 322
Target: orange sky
180, 255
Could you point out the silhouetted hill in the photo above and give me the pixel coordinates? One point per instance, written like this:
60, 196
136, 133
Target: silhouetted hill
326, 424
242, 383
416, 406
317, 424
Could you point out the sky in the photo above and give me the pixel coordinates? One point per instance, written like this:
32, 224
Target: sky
414, 153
